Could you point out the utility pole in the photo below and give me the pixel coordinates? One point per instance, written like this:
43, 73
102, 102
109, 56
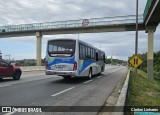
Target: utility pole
136, 38
112, 58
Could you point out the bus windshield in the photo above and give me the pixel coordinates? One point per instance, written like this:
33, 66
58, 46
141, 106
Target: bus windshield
61, 48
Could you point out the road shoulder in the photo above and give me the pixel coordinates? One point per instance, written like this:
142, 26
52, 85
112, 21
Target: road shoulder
113, 98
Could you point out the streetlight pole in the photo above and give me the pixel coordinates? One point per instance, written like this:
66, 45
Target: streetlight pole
136, 39
112, 58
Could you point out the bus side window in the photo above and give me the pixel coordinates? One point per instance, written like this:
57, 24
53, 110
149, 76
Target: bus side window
96, 56
93, 53
86, 52
83, 51
80, 51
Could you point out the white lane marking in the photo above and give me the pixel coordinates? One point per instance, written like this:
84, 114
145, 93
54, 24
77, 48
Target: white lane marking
10, 113
88, 81
99, 77
39, 75
62, 91
29, 79
4, 85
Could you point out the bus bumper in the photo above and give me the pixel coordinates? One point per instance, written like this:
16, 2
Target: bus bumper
61, 73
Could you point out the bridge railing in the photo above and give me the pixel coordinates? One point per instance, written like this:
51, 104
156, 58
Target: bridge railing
147, 8
32, 68
72, 23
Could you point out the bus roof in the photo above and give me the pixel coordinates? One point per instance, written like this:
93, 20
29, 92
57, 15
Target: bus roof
79, 41
91, 46
62, 39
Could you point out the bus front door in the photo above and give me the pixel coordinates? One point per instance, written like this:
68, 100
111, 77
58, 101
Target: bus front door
97, 67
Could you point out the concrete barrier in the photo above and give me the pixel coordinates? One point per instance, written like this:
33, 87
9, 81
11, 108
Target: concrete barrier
33, 68
122, 98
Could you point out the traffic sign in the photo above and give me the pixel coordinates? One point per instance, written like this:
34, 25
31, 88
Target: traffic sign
135, 61
85, 22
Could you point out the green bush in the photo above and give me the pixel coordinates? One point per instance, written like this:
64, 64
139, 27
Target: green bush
143, 66
157, 72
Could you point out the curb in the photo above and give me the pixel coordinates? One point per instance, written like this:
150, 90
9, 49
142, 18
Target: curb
122, 97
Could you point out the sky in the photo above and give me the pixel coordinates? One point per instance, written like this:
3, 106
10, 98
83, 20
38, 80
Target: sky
116, 44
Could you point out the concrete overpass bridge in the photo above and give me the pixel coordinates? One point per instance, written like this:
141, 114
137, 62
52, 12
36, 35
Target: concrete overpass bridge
151, 21
94, 25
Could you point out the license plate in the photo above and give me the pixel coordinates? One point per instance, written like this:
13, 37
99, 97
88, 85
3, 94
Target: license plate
59, 67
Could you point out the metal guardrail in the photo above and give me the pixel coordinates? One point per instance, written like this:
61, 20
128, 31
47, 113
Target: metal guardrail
72, 23
32, 68
147, 8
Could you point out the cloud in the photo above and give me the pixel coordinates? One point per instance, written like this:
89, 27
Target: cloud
120, 44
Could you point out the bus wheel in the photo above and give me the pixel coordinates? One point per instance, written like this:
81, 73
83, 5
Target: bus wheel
90, 74
101, 70
66, 77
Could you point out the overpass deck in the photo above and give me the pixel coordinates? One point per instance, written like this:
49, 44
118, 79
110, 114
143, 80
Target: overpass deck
78, 25
151, 13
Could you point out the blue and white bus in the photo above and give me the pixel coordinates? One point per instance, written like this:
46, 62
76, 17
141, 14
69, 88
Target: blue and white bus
73, 58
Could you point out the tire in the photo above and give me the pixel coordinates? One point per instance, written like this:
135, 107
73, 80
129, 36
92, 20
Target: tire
90, 74
17, 75
67, 77
101, 70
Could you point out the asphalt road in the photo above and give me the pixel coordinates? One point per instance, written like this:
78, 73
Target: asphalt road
37, 89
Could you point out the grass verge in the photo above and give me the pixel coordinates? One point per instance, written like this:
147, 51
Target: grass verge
141, 92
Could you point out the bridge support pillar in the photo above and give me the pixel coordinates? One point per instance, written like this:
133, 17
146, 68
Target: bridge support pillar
150, 52
39, 48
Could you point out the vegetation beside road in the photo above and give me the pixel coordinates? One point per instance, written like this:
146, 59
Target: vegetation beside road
26, 62
115, 61
141, 92
156, 64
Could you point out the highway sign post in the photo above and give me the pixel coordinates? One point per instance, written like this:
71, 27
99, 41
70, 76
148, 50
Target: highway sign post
135, 61
136, 37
